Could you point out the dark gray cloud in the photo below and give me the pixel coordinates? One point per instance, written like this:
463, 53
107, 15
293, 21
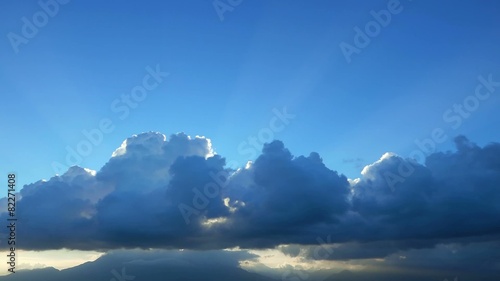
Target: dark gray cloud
283, 196
175, 193
452, 196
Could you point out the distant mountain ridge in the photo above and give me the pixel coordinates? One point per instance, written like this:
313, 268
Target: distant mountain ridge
116, 268
110, 269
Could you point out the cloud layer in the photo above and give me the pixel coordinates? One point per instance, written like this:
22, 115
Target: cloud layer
177, 193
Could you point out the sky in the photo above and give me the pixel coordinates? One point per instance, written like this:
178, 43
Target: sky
325, 98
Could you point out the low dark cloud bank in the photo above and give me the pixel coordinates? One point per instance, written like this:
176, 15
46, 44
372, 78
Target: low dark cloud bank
176, 193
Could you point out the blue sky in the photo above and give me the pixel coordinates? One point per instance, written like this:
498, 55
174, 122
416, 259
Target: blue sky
227, 76
231, 77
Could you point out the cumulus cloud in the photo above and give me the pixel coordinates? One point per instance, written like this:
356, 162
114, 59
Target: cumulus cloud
453, 195
282, 197
177, 193
142, 162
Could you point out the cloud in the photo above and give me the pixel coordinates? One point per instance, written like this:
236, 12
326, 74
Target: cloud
483, 257
142, 161
179, 194
453, 195
282, 197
